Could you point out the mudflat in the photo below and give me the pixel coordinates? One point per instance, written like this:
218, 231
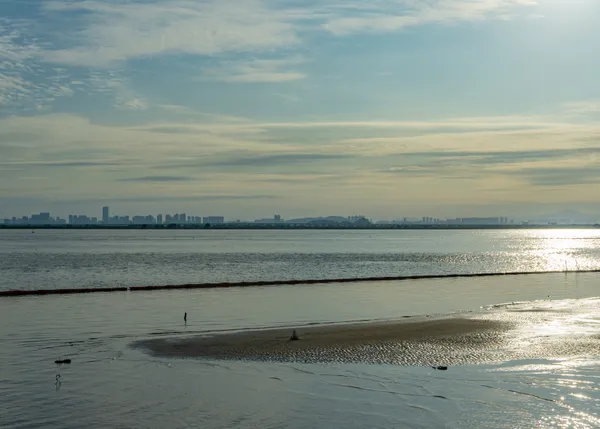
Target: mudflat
424, 341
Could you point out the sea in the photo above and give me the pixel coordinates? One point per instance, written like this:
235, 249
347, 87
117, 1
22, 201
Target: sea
110, 384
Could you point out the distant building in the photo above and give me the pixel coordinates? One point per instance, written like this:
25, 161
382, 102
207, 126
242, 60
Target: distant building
105, 214
275, 219
82, 220
213, 219
481, 221
119, 220
143, 220
42, 219
159, 219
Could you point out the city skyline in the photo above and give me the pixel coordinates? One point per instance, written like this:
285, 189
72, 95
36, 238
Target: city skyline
45, 219
397, 107
110, 217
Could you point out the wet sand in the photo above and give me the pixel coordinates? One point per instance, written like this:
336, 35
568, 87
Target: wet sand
425, 341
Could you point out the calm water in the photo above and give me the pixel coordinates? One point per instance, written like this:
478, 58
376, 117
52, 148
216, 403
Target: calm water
79, 258
111, 385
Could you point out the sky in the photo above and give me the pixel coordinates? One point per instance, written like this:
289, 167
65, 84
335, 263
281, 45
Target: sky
246, 108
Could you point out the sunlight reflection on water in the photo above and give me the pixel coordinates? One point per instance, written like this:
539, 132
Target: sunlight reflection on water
80, 258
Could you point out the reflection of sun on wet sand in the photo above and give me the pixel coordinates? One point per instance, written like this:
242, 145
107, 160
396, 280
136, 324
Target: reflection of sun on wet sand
426, 341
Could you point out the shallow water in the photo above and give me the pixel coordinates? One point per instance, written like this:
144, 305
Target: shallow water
110, 384
49, 259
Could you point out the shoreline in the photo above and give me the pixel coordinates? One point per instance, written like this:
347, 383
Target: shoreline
449, 340
251, 226
222, 285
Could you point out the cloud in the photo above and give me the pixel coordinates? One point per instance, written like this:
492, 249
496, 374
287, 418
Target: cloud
538, 167
114, 83
250, 41
15, 45
287, 97
114, 32
560, 176
157, 179
190, 197
258, 71
232, 159
270, 160
131, 104
582, 107
284, 158
393, 15
237, 197
110, 33
15, 50
62, 164
13, 88
24, 84
505, 157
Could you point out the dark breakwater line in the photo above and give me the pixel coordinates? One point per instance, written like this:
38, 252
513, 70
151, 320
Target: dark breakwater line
61, 291
276, 283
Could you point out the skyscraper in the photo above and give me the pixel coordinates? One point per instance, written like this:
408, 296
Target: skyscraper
105, 215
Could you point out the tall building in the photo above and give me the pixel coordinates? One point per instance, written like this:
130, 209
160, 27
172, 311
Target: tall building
159, 219
105, 216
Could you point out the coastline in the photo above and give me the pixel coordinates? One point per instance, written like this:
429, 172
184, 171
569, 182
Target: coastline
250, 226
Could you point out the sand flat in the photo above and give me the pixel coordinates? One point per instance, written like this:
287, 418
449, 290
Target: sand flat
424, 341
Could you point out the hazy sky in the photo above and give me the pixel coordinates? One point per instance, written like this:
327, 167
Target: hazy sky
246, 108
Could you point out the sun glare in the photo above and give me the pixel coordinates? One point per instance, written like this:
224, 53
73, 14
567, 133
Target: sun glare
560, 248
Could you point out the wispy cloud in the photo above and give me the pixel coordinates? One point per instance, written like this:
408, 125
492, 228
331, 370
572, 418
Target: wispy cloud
250, 41
558, 176
231, 160
258, 70
114, 32
157, 179
195, 197
273, 160
16, 45
61, 164
393, 15
131, 104
24, 84
13, 88
583, 107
